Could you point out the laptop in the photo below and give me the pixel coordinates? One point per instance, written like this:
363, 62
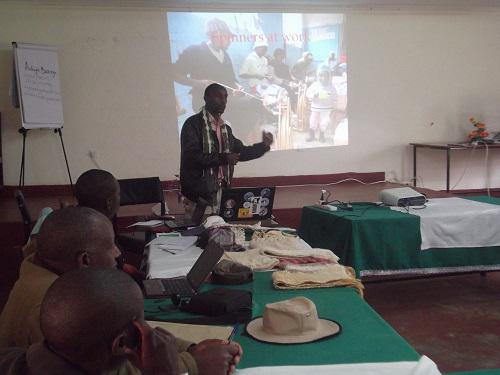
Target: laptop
186, 286
180, 224
242, 204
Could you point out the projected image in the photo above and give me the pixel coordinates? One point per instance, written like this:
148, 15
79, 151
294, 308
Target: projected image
284, 73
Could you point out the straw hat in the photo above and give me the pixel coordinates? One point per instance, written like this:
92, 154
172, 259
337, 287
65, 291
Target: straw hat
291, 321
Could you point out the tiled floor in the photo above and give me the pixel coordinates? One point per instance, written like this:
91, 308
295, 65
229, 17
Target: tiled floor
455, 320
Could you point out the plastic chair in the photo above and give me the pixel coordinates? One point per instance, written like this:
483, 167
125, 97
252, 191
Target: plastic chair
25, 215
140, 191
135, 191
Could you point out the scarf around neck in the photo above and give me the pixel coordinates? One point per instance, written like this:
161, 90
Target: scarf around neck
209, 145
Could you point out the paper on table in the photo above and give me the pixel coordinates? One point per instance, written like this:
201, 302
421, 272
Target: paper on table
194, 332
149, 223
165, 265
159, 235
176, 243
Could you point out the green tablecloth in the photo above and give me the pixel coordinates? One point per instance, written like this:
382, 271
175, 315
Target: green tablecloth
377, 240
365, 336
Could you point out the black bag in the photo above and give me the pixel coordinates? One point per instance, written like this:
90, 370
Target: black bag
221, 301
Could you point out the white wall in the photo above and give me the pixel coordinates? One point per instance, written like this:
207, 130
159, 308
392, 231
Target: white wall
406, 71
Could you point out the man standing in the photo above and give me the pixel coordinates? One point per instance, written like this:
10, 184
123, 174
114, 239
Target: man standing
201, 64
209, 151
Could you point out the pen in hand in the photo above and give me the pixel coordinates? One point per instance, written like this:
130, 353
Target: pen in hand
233, 333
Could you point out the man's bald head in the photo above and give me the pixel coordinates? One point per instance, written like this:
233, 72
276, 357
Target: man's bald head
75, 237
85, 310
98, 189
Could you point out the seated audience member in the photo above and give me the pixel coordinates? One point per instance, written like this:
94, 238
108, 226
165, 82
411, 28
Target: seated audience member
80, 237
96, 189
70, 238
100, 190
92, 321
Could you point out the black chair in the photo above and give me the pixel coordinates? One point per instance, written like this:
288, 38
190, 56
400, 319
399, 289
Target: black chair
141, 191
135, 191
25, 215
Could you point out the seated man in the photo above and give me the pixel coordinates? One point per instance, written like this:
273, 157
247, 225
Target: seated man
100, 190
93, 322
69, 238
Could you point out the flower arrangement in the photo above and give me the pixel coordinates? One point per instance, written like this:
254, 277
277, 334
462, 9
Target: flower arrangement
479, 133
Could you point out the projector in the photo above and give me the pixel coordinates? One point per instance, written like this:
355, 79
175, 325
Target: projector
403, 197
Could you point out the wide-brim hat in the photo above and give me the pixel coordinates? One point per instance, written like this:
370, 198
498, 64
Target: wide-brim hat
293, 321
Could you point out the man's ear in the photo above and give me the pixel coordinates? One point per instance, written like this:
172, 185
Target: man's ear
126, 343
83, 259
119, 346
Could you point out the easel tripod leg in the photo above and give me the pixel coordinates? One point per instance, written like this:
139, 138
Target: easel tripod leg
24, 132
65, 157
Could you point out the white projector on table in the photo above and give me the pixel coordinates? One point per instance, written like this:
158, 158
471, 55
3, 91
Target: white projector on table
402, 197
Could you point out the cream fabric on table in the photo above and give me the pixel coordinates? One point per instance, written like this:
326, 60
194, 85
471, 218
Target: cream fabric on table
277, 244
457, 222
424, 366
275, 240
325, 254
321, 276
252, 259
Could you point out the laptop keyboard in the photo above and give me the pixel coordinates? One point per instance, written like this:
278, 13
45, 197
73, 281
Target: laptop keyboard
177, 286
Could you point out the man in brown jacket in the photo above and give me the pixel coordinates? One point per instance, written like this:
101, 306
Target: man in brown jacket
93, 323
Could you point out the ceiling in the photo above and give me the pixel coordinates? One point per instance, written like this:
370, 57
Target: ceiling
279, 5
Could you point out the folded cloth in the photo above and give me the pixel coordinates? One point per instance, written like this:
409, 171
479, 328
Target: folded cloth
301, 253
252, 259
265, 233
321, 276
285, 262
278, 241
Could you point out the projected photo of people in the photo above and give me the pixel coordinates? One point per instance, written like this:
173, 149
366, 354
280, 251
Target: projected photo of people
284, 73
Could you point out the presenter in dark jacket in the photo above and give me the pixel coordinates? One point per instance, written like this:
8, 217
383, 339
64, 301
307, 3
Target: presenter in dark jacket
209, 151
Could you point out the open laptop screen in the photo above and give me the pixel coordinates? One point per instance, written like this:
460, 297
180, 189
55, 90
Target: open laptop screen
252, 203
204, 265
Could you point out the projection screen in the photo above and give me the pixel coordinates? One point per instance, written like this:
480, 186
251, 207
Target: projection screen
285, 73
